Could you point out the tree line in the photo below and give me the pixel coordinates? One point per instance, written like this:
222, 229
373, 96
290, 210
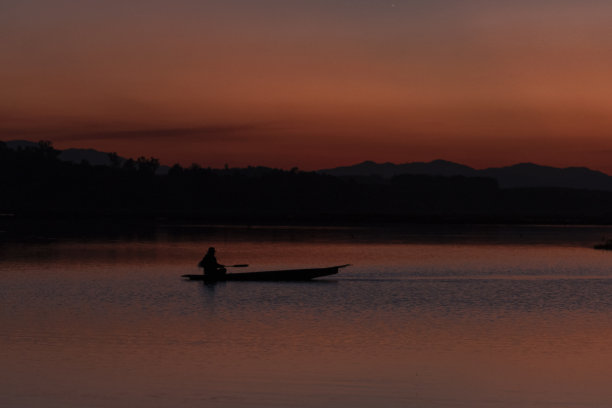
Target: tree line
34, 182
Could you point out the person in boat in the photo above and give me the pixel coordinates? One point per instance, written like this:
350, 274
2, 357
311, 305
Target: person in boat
210, 264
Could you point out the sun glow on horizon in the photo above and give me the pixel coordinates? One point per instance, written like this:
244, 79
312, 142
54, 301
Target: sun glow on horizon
313, 84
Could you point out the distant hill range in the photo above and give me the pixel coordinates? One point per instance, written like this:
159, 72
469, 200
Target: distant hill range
517, 176
93, 157
523, 175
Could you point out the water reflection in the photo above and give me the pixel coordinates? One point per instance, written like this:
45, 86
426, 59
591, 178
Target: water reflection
459, 323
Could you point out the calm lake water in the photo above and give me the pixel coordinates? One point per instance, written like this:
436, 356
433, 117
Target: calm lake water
425, 317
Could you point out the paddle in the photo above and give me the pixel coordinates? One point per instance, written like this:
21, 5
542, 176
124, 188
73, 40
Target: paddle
236, 266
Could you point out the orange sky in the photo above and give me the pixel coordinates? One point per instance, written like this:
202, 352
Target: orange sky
312, 83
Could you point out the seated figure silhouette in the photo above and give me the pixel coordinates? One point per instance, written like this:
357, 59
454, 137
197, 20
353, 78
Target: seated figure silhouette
211, 267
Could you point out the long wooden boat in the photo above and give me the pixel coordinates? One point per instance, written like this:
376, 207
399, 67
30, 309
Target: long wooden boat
282, 275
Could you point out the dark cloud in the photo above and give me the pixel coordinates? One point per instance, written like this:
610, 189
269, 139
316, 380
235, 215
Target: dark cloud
214, 132
233, 132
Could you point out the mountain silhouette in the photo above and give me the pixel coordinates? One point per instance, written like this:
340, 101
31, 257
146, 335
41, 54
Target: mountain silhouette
533, 175
37, 185
91, 156
388, 170
523, 175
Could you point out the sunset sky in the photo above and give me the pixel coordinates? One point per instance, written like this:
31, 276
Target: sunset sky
312, 83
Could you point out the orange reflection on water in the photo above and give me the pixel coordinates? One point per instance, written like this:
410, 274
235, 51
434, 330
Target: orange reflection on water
410, 324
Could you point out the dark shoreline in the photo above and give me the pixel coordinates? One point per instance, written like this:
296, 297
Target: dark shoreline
144, 219
42, 192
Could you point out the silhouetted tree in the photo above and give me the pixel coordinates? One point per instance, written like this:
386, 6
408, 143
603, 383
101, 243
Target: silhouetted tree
114, 159
176, 170
147, 166
129, 164
34, 180
45, 148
